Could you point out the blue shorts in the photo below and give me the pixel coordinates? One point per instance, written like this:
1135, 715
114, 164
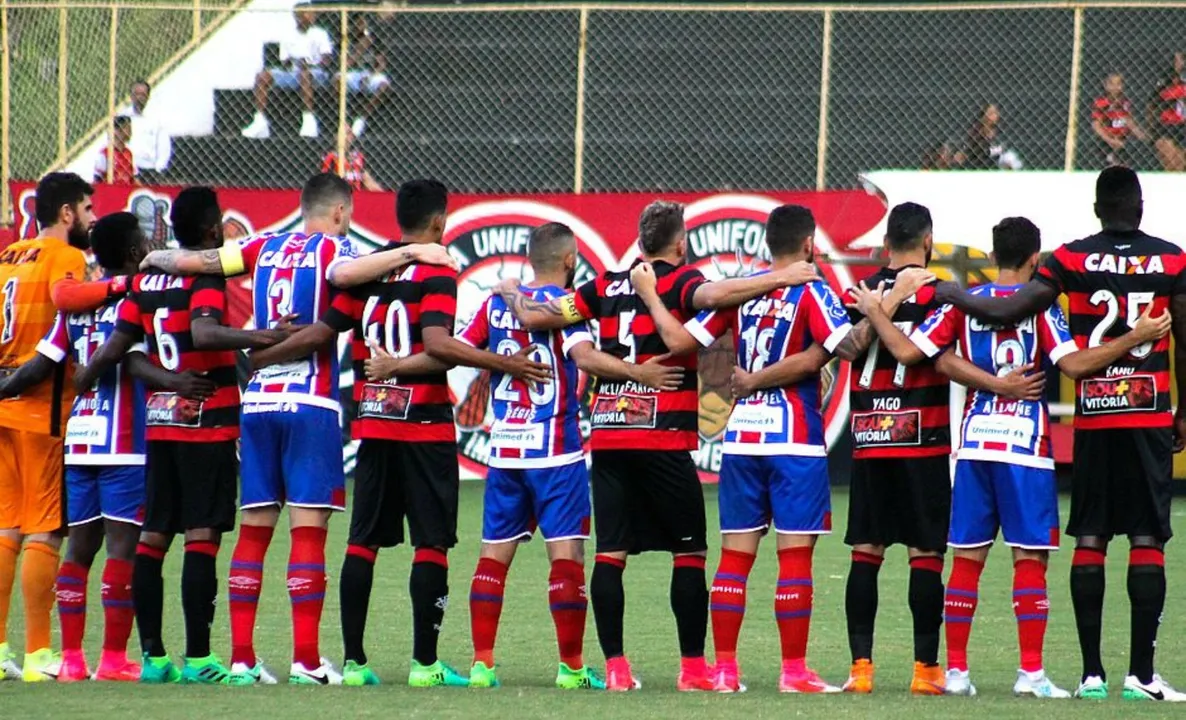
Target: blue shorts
292, 457
1022, 501
556, 499
114, 492
286, 79
790, 490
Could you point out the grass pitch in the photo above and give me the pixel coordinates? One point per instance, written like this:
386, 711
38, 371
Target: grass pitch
526, 645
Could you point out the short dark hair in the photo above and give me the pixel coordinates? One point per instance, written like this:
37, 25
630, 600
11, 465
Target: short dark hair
658, 225
418, 201
907, 225
1015, 240
323, 191
787, 228
1118, 195
55, 190
112, 239
548, 244
121, 122
195, 210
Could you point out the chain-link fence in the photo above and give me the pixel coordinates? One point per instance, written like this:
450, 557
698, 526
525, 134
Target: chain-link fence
589, 97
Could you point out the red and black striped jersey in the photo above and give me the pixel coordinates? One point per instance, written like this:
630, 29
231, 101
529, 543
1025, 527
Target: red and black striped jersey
898, 411
1170, 101
626, 415
1109, 280
161, 311
1115, 114
392, 314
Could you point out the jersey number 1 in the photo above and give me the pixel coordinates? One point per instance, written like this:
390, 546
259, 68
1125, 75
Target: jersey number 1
9, 310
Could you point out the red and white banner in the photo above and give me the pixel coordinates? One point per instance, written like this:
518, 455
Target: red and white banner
488, 235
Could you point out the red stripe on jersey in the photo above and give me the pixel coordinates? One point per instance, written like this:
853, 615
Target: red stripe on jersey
625, 415
392, 313
1109, 280
162, 309
898, 411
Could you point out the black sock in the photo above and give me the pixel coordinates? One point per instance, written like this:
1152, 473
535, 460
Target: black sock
926, 606
148, 598
860, 604
354, 592
609, 604
199, 588
429, 587
1146, 595
1087, 597
689, 604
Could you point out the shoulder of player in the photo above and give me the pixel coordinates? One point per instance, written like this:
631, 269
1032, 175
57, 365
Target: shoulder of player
421, 272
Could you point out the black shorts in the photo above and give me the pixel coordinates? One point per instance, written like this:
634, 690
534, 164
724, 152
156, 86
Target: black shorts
397, 479
900, 501
1122, 483
648, 500
190, 485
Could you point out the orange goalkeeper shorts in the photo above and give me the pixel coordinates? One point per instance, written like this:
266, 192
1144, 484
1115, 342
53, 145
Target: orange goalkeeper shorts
31, 482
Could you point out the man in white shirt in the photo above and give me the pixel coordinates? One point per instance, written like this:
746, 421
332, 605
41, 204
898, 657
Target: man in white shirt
152, 148
306, 55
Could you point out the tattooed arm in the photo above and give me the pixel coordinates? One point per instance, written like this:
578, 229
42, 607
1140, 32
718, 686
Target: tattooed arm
191, 262
906, 284
537, 315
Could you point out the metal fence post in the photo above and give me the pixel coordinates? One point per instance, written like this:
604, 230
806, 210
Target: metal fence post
825, 83
342, 51
111, 64
1073, 102
578, 138
63, 66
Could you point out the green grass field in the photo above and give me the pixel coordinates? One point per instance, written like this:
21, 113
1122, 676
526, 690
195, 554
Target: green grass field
526, 648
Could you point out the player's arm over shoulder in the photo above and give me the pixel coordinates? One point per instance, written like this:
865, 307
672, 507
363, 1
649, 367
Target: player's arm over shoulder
361, 269
551, 314
1032, 298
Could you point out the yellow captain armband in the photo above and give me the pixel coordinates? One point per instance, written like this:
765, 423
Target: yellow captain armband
568, 309
231, 258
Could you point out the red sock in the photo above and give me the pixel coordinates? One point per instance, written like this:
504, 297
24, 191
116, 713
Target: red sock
727, 601
1031, 607
959, 606
306, 592
245, 581
569, 605
792, 601
485, 607
118, 613
71, 594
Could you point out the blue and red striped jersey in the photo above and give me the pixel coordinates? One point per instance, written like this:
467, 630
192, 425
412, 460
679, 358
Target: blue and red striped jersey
290, 275
106, 424
785, 420
997, 428
535, 424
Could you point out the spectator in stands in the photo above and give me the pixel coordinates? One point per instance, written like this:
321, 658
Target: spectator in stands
151, 145
354, 171
306, 54
1169, 114
366, 70
1113, 122
944, 156
123, 167
986, 148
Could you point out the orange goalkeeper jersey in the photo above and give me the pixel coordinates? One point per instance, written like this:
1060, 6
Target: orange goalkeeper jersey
28, 271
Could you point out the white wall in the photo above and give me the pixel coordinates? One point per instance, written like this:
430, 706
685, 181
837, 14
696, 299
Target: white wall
229, 58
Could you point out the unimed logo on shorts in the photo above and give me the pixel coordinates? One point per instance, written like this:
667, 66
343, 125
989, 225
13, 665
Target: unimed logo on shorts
489, 241
727, 238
